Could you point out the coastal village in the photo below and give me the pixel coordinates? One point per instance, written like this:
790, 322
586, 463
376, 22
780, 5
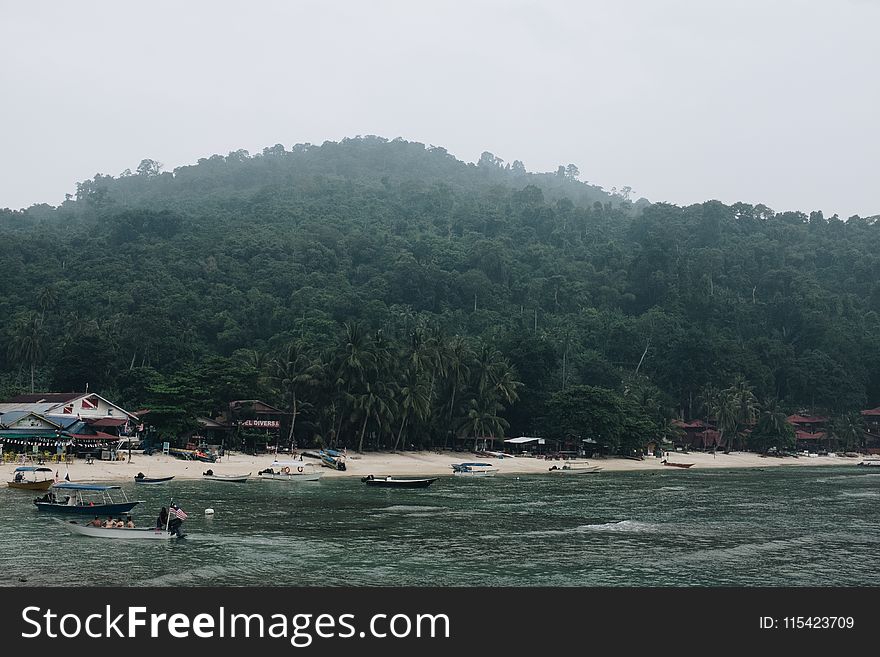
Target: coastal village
85, 427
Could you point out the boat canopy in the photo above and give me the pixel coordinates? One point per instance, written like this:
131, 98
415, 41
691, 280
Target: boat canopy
523, 440
471, 465
32, 468
93, 487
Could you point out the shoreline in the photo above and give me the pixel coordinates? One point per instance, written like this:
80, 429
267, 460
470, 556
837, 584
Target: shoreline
405, 464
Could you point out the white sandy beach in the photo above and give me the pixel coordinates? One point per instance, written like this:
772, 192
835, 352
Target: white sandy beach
405, 463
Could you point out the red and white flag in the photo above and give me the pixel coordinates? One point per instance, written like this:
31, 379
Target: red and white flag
177, 512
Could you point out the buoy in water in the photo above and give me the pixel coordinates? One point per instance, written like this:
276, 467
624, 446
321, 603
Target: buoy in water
209, 512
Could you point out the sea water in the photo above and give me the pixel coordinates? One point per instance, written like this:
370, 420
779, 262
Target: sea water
798, 526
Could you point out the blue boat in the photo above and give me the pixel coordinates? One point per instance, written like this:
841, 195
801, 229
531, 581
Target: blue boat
474, 469
330, 458
84, 499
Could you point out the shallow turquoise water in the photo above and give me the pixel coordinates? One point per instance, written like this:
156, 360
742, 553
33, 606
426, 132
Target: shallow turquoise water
799, 526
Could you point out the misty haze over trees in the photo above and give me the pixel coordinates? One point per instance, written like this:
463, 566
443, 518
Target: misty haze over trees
388, 294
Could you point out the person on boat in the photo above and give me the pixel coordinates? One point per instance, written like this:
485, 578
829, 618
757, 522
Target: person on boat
96, 522
162, 519
129, 523
109, 523
174, 525
19, 477
140, 475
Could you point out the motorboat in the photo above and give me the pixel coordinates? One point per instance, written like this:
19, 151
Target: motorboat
141, 478
575, 467
32, 477
234, 479
332, 459
676, 465
85, 499
291, 471
124, 533
397, 482
870, 461
474, 469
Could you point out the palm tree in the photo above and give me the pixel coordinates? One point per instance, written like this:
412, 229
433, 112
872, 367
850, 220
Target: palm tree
356, 364
375, 402
291, 371
724, 410
772, 428
742, 402
413, 402
457, 356
708, 399
849, 429
48, 299
506, 385
482, 419
28, 343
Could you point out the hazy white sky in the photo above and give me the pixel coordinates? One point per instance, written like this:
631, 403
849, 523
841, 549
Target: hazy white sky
764, 101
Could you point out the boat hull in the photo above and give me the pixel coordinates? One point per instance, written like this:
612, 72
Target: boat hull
231, 479
305, 476
399, 483
577, 471
485, 473
31, 485
152, 481
93, 509
122, 533
679, 465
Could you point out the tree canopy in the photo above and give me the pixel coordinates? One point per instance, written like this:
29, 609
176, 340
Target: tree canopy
430, 299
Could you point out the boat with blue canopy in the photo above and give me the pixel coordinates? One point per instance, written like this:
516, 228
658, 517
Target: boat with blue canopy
32, 477
332, 459
474, 469
95, 499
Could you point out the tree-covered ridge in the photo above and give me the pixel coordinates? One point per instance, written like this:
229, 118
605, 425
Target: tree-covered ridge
143, 281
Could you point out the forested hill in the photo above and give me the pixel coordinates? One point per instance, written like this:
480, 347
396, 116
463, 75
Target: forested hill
270, 275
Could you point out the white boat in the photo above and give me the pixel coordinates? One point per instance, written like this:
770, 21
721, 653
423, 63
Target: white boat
871, 461
498, 455
575, 467
291, 471
210, 475
474, 469
123, 533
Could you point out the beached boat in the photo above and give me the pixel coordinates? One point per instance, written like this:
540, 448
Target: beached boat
92, 499
870, 461
397, 482
291, 471
31, 477
495, 455
474, 469
575, 467
123, 533
677, 465
143, 479
235, 479
330, 458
